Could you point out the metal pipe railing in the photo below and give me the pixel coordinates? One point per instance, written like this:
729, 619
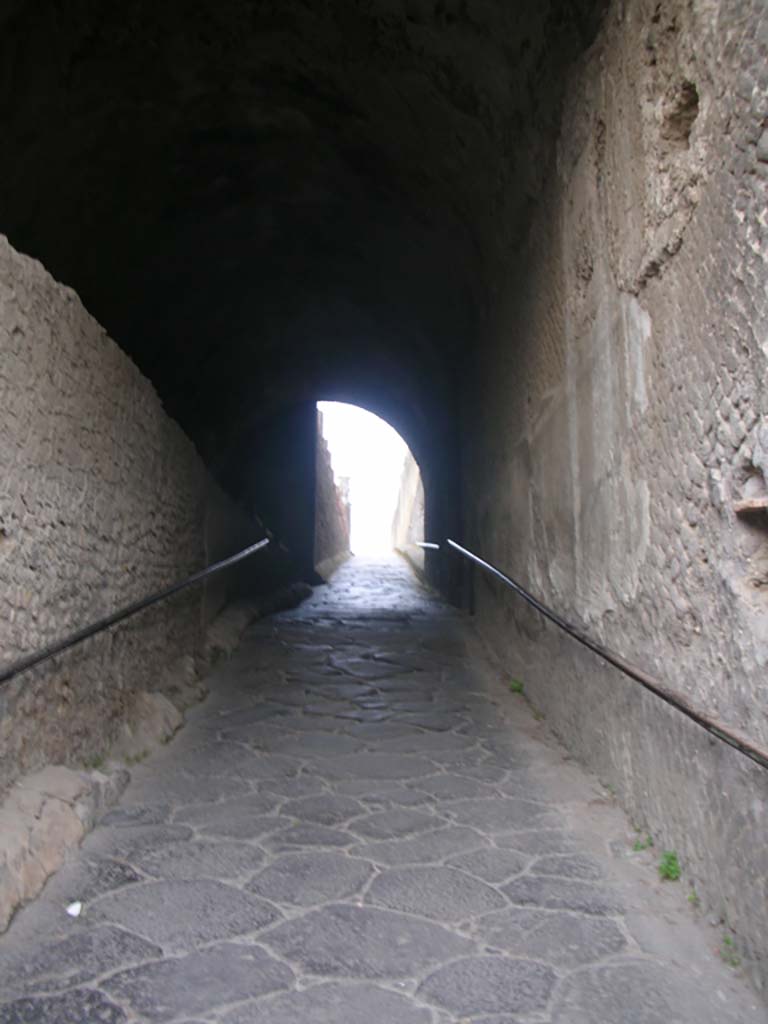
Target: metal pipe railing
31, 660
728, 734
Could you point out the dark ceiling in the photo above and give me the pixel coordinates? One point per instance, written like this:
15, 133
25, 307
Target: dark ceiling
266, 202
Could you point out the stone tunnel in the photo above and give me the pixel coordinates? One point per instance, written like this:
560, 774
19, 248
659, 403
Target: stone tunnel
532, 237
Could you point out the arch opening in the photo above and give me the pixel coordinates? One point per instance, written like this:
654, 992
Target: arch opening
376, 503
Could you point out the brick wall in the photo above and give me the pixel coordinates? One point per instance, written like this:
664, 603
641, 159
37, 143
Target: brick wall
103, 499
620, 409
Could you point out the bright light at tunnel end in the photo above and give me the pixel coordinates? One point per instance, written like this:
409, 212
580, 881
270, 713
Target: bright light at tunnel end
370, 454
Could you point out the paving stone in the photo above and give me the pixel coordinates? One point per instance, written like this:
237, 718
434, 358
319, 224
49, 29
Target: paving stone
574, 865
376, 766
199, 982
77, 1007
309, 835
126, 843
137, 814
71, 961
444, 894
182, 788
482, 907
562, 894
364, 942
222, 759
243, 818
303, 785
435, 745
366, 714
430, 848
538, 841
634, 993
327, 809
202, 859
434, 721
365, 668
320, 744
316, 876
395, 824
562, 939
383, 792
454, 787
497, 814
491, 984
487, 770
183, 915
332, 1003
491, 865
84, 880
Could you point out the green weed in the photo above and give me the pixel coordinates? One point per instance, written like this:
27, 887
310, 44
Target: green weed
669, 866
643, 844
516, 686
728, 952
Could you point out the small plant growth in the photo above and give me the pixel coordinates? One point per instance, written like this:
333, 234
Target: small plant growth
643, 844
516, 686
728, 953
693, 898
669, 866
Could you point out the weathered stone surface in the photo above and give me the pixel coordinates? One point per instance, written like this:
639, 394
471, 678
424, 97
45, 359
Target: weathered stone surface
241, 819
115, 443
423, 914
204, 859
152, 720
323, 810
78, 1005
498, 814
84, 880
363, 942
183, 915
559, 894
453, 787
126, 843
375, 766
428, 848
487, 984
561, 939
574, 865
312, 877
199, 982
46, 815
309, 835
635, 993
490, 864
333, 1004
395, 824
438, 892
536, 841
72, 961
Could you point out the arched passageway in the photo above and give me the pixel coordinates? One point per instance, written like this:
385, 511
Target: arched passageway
529, 236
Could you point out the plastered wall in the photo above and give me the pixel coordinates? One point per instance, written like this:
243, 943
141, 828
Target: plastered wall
408, 521
332, 511
102, 500
620, 411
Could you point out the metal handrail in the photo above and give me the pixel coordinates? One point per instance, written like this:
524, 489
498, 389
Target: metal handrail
31, 660
728, 734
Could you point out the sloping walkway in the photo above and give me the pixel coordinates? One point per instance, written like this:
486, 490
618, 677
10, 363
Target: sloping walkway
361, 825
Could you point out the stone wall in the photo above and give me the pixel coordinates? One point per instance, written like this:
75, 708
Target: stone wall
408, 522
102, 500
332, 511
618, 413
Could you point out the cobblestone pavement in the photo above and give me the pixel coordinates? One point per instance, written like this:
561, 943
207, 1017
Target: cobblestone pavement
361, 824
